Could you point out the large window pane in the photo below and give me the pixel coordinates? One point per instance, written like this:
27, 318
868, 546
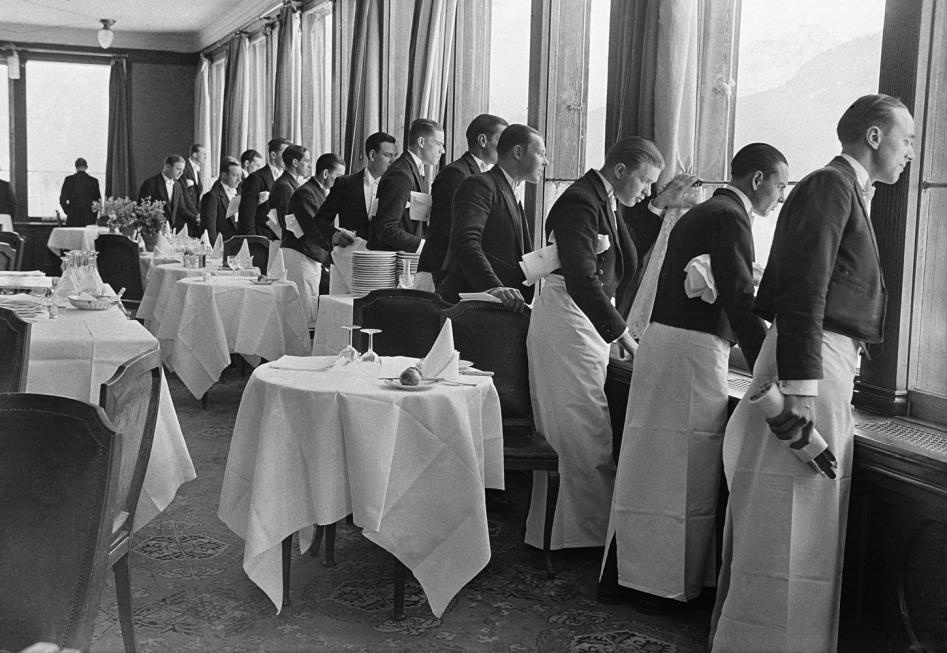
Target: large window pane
67, 107
801, 64
509, 59
4, 124
595, 144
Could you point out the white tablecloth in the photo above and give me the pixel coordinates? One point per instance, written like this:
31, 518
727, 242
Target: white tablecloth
147, 262
73, 355
82, 238
6, 222
335, 311
204, 322
310, 447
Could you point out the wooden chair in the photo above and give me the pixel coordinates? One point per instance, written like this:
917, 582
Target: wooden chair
59, 464
120, 268
14, 351
7, 258
130, 399
409, 319
259, 249
493, 338
14, 240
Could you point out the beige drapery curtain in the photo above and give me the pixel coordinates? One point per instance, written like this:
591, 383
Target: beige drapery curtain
316, 59
431, 59
217, 80
287, 113
261, 80
119, 168
363, 108
236, 108
202, 119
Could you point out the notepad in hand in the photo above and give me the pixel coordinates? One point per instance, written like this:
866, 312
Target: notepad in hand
545, 261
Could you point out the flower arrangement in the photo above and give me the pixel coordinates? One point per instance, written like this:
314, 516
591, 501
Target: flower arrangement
115, 213
149, 217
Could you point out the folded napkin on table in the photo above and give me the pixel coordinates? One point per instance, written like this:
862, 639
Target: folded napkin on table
182, 232
543, 261
276, 268
699, 281
163, 246
244, 255
218, 247
205, 241
442, 361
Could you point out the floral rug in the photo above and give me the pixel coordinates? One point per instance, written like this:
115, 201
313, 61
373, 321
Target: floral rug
191, 594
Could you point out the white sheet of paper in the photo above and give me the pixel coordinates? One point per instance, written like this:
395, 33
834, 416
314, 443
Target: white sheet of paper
420, 209
263, 197
273, 223
478, 297
234, 206
372, 212
292, 225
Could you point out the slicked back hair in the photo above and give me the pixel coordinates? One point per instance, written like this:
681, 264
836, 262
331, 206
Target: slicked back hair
226, 163
485, 123
328, 161
373, 142
756, 156
195, 148
174, 158
422, 127
249, 155
633, 152
276, 144
293, 153
514, 135
873, 110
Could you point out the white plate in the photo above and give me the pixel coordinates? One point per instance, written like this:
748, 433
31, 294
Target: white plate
397, 385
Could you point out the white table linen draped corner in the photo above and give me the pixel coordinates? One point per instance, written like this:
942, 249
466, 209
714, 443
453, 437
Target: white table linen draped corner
205, 321
335, 311
161, 281
73, 355
149, 261
81, 238
309, 447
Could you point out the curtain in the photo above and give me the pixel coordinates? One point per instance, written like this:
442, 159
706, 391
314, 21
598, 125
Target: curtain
236, 108
469, 80
119, 170
430, 59
217, 79
363, 106
261, 68
287, 114
316, 60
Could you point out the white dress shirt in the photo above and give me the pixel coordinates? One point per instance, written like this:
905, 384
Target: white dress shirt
370, 188
169, 185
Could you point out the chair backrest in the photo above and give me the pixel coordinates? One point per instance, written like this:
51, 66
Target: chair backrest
14, 351
259, 249
14, 240
58, 467
118, 264
130, 399
7, 257
409, 320
493, 338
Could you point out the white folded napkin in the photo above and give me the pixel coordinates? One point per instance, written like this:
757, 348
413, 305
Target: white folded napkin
544, 261
205, 241
341, 274
182, 232
218, 247
276, 267
442, 361
273, 223
244, 255
479, 297
301, 363
162, 246
699, 281
292, 225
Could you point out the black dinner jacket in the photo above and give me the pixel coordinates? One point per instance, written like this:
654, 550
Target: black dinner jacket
193, 191
438, 229
489, 236
392, 228
824, 271
283, 189
316, 242
580, 214
252, 216
76, 197
175, 209
214, 205
347, 200
721, 228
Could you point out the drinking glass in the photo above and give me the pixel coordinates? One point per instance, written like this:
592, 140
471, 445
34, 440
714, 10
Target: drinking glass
349, 353
234, 264
370, 356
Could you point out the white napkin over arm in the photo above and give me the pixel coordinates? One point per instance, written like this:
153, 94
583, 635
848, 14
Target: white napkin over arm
545, 261
699, 281
442, 361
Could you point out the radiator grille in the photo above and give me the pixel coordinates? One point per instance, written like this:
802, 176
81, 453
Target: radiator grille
907, 434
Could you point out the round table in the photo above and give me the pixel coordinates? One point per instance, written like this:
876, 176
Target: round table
312, 445
205, 321
81, 238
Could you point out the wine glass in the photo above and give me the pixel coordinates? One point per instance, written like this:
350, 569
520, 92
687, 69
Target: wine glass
234, 263
370, 356
349, 353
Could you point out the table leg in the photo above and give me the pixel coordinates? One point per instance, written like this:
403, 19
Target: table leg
330, 546
287, 554
401, 573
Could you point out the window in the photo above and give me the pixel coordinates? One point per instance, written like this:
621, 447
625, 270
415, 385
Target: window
509, 59
789, 49
595, 144
67, 109
4, 124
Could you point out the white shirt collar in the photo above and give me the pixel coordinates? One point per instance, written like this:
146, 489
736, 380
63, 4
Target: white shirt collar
369, 179
195, 165
747, 204
860, 173
483, 165
230, 190
513, 184
608, 186
418, 162
277, 173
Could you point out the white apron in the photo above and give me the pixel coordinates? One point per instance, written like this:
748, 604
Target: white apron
665, 500
784, 535
306, 274
567, 364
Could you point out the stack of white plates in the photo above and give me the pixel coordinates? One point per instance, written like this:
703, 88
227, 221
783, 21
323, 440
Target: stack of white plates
406, 259
372, 270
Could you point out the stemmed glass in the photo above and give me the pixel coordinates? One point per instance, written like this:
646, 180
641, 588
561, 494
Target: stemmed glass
235, 265
370, 356
349, 353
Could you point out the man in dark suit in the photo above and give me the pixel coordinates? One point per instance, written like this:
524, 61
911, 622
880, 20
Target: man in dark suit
392, 228
78, 193
215, 202
297, 164
307, 242
824, 291
352, 195
255, 192
489, 234
678, 399
167, 187
7, 200
570, 333
483, 133
191, 178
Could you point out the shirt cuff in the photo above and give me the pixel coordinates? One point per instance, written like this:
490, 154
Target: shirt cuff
654, 209
807, 387
623, 333
421, 246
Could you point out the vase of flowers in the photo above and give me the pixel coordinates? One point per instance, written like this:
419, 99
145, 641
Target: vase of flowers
150, 220
116, 213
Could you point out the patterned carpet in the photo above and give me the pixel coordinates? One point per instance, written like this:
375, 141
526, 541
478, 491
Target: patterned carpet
191, 594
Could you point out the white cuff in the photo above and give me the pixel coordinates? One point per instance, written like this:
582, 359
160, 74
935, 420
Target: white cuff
654, 209
808, 387
619, 337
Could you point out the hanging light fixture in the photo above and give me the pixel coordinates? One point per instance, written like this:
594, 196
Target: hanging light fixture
106, 34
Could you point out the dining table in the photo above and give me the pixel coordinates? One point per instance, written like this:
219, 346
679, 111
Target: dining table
313, 444
204, 321
148, 261
69, 238
72, 355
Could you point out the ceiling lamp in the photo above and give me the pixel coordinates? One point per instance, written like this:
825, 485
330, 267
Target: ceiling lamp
106, 34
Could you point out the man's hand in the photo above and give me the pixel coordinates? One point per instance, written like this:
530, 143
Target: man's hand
628, 345
510, 297
342, 239
678, 194
797, 414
